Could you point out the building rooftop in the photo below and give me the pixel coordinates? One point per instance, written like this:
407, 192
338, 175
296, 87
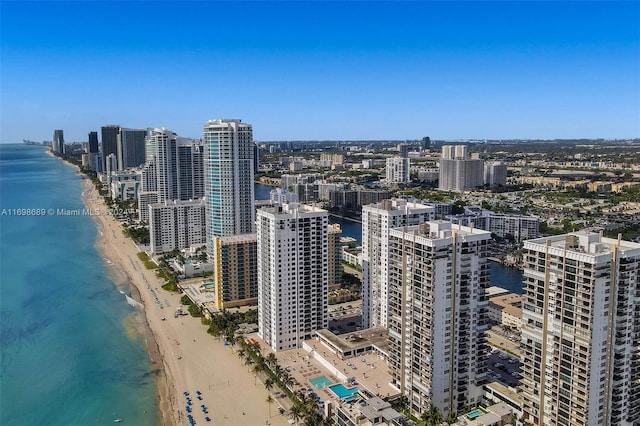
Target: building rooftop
373, 409
376, 336
500, 409
291, 208
369, 371
509, 300
506, 391
496, 291
585, 242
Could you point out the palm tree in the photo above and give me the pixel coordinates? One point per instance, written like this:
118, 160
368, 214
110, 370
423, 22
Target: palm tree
230, 338
312, 416
453, 415
269, 401
277, 370
261, 361
271, 359
432, 417
247, 357
240, 353
288, 381
268, 383
255, 346
256, 370
248, 362
214, 328
296, 412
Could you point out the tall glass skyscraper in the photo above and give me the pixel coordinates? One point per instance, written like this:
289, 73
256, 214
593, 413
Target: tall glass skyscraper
228, 178
93, 142
57, 145
109, 142
130, 147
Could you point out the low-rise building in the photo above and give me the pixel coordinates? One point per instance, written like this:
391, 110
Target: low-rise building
496, 391
516, 227
366, 412
124, 185
499, 414
506, 309
352, 256
191, 268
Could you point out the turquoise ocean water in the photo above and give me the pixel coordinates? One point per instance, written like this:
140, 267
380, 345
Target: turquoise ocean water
71, 352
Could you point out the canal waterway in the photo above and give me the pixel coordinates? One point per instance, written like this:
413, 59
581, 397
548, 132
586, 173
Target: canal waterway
501, 276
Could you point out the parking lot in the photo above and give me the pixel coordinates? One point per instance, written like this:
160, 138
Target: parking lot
504, 368
504, 361
345, 317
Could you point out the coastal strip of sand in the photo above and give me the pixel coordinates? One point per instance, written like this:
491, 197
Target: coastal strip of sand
184, 356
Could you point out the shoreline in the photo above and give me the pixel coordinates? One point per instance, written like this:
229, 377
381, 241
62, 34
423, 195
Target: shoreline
164, 386
182, 355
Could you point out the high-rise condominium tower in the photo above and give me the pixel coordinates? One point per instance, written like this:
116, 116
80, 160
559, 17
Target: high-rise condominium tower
495, 173
176, 224
109, 143
459, 172
57, 144
581, 331
292, 274
174, 169
93, 142
403, 150
95, 158
235, 270
437, 280
229, 178
131, 147
335, 257
377, 220
179, 166
397, 170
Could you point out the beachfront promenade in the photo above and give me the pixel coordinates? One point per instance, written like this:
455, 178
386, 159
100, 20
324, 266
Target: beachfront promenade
184, 355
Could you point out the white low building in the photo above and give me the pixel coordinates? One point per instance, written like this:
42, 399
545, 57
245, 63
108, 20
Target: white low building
124, 185
190, 268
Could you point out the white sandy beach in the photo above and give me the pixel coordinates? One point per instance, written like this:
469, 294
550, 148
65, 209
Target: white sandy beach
188, 359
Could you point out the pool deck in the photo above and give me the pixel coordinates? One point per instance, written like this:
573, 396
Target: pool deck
371, 372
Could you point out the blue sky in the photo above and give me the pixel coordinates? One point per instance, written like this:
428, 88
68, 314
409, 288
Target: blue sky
323, 70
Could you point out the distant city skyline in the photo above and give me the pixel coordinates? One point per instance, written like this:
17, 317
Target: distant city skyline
323, 70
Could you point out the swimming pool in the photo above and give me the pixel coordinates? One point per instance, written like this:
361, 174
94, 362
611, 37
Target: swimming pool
342, 392
320, 382
475, 413
352, 398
